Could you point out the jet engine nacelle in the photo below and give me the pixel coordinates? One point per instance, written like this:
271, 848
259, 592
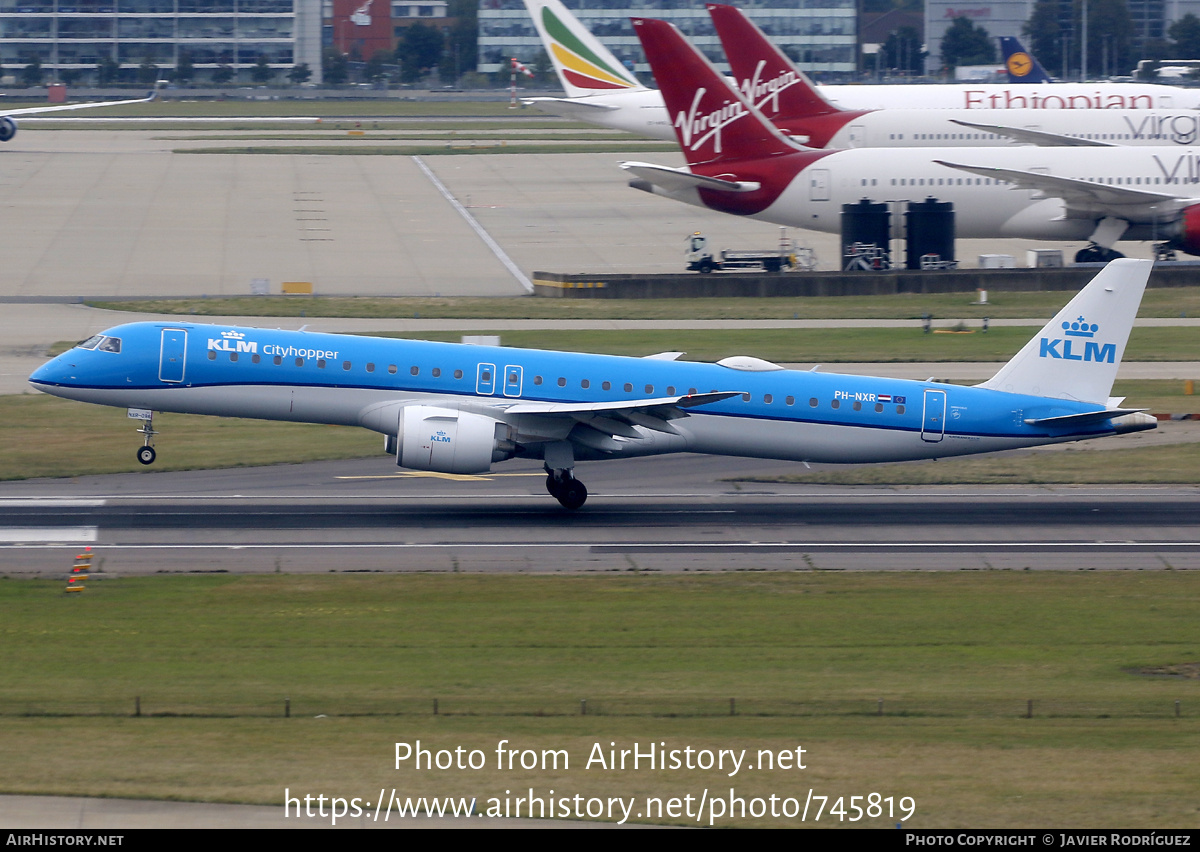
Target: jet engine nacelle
448, 441
8, 128
1185, 233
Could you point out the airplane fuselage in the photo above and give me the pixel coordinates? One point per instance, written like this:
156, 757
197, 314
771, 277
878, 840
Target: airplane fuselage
984, 207
369, 382
1131, 120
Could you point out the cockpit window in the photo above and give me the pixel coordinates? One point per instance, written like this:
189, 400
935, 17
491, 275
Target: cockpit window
91, 342
110, 344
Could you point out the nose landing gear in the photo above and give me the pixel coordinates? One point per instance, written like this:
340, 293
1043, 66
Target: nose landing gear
145, 453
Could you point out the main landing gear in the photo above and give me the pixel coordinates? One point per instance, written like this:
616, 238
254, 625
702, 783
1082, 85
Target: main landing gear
565, 488
1096, 254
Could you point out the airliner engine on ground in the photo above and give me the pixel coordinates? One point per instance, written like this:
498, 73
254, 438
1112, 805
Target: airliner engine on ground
739, 163
458, 408
602, 91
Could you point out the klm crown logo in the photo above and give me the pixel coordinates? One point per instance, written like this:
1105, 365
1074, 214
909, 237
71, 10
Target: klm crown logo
1080, 328
1082, 331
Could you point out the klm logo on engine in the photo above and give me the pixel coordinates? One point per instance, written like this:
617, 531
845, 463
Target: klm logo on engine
440, 438
232, 341
1077, 344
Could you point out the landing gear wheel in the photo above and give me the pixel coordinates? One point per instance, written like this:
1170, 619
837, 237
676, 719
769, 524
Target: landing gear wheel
1096, 254
566, 489
146, 455
572, 494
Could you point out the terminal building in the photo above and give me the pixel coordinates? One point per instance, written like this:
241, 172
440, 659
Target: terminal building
820, 35
77, 36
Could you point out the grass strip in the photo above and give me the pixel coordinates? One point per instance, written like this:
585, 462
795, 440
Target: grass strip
430, 150
1169, 302
821, 346
808, 657
40, 436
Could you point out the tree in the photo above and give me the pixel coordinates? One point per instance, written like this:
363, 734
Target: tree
903, 52
147, 74
374, 71
222, 74
31, 74
1043, 34
1110, 28
1185, 38
966, 44
334, 66
106, 71
462, 39
185, 69
419, 50
261, 72
300, 73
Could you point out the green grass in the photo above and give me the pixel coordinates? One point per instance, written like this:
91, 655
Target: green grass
1168, 302
41, 436
1082, 464
415, 150
170, 106
954, 657
822, 345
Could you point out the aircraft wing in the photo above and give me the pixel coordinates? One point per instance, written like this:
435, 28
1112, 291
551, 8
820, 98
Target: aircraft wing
85, 105
675, 180
617, 419
568, 106
1036, 137
1084, 199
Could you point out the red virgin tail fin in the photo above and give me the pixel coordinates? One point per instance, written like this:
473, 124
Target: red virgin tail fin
712, 121
764, 74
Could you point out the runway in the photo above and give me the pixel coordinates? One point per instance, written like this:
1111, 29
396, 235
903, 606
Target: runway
685, 513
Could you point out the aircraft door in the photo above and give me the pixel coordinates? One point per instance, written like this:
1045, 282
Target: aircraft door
172, 355
933, 423
485, 379
512, 380
858, 136
818, 185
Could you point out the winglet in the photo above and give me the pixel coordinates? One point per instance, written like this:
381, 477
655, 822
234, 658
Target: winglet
1077, 354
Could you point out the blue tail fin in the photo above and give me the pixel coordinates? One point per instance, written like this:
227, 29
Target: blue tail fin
1020, 64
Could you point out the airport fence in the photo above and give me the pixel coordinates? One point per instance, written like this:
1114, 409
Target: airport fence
151, 705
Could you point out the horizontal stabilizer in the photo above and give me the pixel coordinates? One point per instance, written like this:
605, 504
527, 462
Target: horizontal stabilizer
1088, 418
676, 180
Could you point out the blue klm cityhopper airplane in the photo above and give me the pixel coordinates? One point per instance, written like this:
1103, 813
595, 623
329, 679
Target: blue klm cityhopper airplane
458, 408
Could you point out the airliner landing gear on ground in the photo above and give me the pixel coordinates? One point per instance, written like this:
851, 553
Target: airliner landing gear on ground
560, 475
1096, 254
565, 488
